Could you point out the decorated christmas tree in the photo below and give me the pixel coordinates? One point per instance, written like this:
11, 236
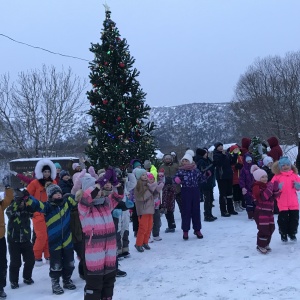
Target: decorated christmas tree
120, 129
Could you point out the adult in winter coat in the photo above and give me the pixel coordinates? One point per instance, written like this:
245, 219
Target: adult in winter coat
289, 183
223, 161
204, 164
169, 191
45, 171
4, 203
276, 151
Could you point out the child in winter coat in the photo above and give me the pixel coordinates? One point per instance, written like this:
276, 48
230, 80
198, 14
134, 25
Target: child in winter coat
189, 177
57, 211
144, 202
95, 206
19, 239
65, 182
157, 203
264, 194
246, 181
289, 182
4, 203
45, 171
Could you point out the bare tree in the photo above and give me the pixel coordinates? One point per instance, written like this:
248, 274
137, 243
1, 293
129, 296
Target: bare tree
41, 108
267, 98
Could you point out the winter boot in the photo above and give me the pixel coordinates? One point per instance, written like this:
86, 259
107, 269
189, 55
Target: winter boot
269, 249
14, 285
2, 294
68, 284
157, 238
208, 219
237, 207
38, 263
225, 214
198, 234
284, 238
146, 246
241, 206
168, 230
28, 281
139, 248
121, 273
185, 235
56, 288
292, 238
262, 250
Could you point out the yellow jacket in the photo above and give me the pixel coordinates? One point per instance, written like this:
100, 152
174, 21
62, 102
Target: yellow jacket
9, 196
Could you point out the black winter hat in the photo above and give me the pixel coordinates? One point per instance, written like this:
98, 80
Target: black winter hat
46, 168
201, 152
217, 144
63, 173
52, 189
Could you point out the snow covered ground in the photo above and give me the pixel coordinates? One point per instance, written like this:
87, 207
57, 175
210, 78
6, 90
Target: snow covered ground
223, 265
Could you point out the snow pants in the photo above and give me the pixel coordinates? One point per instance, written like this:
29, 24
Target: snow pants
156, 223
226, 196
190, 208
265, 225
145, 227
208, 196
17, 251
62, 263
3, 262
168, 202
123, 243
41, 241
99, 287
288, 221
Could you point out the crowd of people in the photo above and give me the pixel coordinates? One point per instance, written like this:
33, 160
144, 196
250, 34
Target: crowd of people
90, 212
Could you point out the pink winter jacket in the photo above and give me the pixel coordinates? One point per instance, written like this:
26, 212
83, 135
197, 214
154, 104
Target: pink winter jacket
287, 199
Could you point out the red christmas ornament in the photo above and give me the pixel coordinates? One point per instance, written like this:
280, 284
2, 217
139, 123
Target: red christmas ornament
94, 85
103, 121
92, 103
121, 65
119, 118
104, 101
105, 63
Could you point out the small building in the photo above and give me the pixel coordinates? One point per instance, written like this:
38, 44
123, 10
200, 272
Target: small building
26, 165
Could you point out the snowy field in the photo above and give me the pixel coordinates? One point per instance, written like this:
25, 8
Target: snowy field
223, 265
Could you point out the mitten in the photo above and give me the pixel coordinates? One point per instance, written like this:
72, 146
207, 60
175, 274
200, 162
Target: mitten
129, 203
297, 185
275, 186
177, 180
280, 185
244, 191
117, 213
208, 173
13, 172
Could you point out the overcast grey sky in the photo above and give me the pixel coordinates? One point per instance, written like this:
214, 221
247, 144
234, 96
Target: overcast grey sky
186, 50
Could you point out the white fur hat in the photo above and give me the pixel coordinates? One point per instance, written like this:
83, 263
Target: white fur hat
39, 167
188, 157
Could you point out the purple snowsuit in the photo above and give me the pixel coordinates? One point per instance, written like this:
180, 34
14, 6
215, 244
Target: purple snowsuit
190, 178
246, 181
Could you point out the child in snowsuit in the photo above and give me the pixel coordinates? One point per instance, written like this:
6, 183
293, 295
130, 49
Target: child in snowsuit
264, 193
4, 203
246, 181
57, 211
95, 206
190, 177
19, 239
144, 202
289, 182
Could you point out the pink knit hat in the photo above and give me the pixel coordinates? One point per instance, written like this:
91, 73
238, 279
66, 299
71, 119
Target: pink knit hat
257, 172
150, 175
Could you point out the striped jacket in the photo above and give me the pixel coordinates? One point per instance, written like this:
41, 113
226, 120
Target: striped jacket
99, 232
57, 220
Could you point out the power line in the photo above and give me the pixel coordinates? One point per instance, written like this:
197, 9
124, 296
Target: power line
36, 47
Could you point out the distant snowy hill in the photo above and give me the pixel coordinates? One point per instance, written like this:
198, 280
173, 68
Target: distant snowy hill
193, 125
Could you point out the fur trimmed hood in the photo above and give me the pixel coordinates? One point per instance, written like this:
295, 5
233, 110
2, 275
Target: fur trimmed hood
39, 166
276, 169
